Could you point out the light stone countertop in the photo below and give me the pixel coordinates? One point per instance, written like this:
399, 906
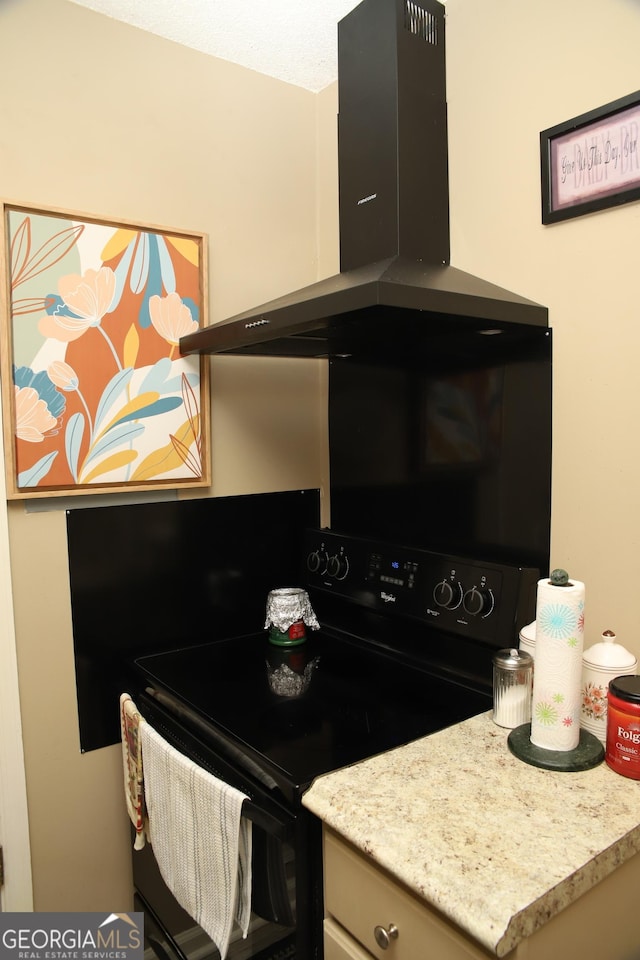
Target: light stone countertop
497, 845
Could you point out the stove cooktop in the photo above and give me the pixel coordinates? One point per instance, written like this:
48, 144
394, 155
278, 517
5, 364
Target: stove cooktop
307, 710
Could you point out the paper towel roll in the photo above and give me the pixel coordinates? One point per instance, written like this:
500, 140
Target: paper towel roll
555, 708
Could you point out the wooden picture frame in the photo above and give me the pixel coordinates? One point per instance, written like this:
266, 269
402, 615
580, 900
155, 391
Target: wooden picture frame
96, 395
591, 162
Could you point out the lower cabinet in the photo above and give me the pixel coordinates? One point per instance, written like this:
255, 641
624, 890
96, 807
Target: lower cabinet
369, 914
339, 945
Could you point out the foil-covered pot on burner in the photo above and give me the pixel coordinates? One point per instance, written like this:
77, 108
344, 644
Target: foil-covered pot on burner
289, 613
289, 668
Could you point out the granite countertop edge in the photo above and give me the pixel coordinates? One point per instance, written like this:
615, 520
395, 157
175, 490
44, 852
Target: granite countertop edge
535, 915
388, 808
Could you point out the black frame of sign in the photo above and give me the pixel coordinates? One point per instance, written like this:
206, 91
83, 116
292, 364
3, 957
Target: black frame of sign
599, 152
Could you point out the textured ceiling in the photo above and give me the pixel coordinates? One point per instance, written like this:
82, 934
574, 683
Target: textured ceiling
292, 40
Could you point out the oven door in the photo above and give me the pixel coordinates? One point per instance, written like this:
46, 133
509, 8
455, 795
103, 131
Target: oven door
285, 902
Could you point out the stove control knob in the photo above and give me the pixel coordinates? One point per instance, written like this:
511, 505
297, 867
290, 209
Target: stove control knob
478, 601
447, 594
317, 561
338, 566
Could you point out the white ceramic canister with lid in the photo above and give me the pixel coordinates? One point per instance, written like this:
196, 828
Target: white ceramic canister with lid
602, 662
527, 638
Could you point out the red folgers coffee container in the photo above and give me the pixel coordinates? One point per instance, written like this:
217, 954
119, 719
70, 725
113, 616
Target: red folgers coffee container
623, 726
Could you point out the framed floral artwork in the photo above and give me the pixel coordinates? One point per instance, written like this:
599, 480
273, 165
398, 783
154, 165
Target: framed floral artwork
96, 395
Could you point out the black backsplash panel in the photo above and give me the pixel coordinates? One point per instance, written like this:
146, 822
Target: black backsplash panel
160, 576
443, 442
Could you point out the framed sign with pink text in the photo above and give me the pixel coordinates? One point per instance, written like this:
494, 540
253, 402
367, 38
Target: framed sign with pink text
591, 162
96, 396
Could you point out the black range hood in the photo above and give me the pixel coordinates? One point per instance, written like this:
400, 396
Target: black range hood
395, 281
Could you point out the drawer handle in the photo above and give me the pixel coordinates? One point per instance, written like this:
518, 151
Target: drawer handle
384, 937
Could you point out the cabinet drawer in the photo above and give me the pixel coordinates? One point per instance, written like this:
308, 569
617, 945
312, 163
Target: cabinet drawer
360, 896
338, 945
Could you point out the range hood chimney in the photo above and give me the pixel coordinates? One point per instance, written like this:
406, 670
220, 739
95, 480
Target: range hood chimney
395, 279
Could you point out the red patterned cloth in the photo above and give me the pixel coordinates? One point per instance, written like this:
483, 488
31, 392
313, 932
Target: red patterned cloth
130, 721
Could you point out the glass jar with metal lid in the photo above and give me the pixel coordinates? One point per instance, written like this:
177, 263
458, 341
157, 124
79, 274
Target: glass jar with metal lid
512, 687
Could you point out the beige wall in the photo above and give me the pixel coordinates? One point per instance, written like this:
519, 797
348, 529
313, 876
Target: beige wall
515, 69
105, 119
101, 118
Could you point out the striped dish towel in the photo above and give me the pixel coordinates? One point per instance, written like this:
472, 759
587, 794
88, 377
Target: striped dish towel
130, 723
200, 840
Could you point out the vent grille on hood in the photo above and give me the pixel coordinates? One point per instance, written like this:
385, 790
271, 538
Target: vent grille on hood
420, 22
395, 274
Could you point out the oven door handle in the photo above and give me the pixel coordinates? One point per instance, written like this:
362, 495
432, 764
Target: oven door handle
262, 819
179, 709
192, 746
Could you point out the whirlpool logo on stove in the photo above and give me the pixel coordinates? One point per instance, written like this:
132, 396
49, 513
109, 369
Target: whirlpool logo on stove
72, 936
387, 597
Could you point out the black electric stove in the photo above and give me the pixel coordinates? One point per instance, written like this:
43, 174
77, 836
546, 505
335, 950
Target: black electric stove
357, 702
404, 650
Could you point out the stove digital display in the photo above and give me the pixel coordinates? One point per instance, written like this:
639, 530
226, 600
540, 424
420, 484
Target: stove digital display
394, 572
